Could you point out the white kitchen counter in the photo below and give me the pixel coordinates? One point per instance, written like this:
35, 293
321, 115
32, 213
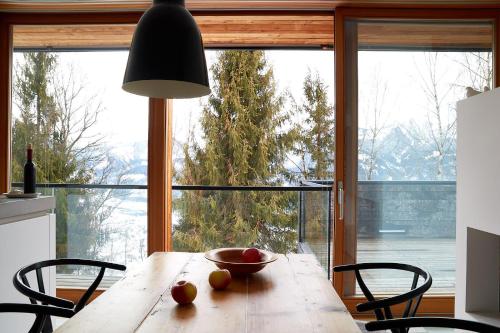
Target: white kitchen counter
12, 210
27, 235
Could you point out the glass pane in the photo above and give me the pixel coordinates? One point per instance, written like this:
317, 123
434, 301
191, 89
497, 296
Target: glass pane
263, 125
90, 150
254, 216
316, 233
408, 86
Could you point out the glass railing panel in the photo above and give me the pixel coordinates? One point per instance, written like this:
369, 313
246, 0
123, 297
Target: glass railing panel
286, 220
411, 222
315, 235
208, 219
109, 222
106, 223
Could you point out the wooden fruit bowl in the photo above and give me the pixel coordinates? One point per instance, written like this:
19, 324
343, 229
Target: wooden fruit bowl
230, 259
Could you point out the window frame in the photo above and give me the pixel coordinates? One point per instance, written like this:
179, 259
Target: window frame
160, 111
160, 114
345, 232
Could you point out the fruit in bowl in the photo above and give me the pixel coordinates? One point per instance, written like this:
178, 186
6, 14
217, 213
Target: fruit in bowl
251, 255
232, 260
219, 279
183, 292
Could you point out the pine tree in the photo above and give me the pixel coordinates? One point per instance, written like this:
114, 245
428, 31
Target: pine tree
244, 144
315, 144
315, 147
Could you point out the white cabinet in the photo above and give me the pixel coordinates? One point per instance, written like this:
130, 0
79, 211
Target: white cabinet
21, 243
478, 215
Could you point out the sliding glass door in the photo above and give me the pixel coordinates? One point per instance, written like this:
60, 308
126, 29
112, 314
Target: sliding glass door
403, 79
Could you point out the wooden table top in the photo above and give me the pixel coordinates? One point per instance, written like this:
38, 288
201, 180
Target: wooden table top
289, 295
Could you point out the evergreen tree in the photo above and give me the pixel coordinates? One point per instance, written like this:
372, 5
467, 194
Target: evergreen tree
315, 144
53, 121
315, 147
244, 144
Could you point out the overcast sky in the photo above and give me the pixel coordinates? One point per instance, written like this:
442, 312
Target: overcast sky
398, 76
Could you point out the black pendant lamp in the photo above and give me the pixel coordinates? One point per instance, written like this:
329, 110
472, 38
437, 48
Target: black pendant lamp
166, 58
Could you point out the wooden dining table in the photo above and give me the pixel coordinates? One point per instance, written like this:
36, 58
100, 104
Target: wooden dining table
289, 295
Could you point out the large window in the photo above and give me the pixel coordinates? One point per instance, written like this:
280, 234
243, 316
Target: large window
405, 148
267, 128
273, 114
90, 150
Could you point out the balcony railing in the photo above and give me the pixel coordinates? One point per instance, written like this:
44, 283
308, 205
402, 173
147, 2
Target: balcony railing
109, 222
403, 221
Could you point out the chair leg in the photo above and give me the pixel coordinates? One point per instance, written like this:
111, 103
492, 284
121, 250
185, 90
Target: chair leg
47, 327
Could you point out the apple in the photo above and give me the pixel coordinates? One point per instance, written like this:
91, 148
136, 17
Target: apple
183, 292
251, 255
219, 279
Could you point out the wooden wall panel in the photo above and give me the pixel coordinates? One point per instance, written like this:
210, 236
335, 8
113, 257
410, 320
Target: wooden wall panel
308, 30
73, 36
418, 35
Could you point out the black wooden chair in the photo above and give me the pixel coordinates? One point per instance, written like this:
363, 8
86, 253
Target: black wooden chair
382, 307
42, 313
407, 323
22, 285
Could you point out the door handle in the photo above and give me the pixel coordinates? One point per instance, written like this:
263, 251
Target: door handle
340, 198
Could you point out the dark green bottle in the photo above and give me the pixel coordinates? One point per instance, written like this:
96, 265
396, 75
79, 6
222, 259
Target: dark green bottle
29, 172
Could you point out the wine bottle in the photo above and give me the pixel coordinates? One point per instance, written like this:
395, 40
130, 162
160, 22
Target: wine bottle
29, 172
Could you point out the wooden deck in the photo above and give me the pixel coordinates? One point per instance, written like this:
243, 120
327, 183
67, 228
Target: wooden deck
435, 255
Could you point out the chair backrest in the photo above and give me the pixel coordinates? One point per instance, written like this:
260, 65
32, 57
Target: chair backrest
407, 323
22, 285
382, 307
42, 312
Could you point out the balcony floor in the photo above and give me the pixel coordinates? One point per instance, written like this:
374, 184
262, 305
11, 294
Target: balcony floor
436, 255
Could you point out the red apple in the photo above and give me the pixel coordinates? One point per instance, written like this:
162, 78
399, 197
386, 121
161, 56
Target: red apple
251, 255
219, 279
183, 292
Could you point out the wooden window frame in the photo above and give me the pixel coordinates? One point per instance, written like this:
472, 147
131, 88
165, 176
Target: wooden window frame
159, 162
160, 111
159, 126
5, 101
432, 304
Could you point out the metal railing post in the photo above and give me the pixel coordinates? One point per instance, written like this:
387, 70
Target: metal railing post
301, 218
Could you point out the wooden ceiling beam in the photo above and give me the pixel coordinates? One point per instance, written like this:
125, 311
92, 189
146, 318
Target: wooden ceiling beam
249, 31
235, 30
421, 35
